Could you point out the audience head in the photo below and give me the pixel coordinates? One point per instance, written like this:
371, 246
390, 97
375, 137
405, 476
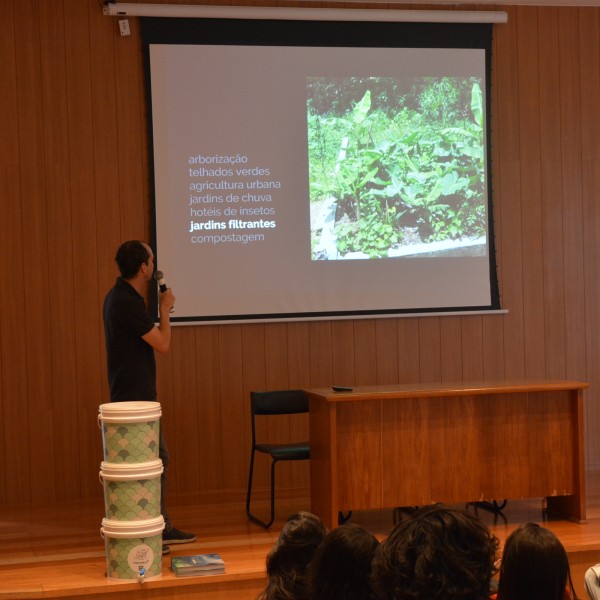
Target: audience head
341, 566
287, 562
440, 553
534, 566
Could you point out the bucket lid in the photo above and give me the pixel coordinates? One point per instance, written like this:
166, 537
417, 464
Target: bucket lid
126, 412
143, 470
128, 529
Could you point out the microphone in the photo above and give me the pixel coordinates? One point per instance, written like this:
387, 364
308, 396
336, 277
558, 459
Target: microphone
160, 278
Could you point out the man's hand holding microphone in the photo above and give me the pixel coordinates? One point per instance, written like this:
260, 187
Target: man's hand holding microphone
166, 298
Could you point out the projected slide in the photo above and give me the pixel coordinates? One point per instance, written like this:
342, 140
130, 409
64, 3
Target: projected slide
395, 165
319, 181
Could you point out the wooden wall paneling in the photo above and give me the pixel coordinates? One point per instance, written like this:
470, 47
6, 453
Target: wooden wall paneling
60, 249
298, 339
573, 217
589, 51
79, 125
105, 185
254, 361
276, 359
88, 340
210, 427
365, 351
4, 182
31, 255
591, 188
531, 201
321, 362
493, 347
386, 339
472, 348
298, 368
430, 354
16, 484
589, 80
291, 428
235, 423
509, 236
255, 379
128, 73
409, 353
552, 222
184, 446
106, 160
342, 353
572, 192
9, 149
451, 354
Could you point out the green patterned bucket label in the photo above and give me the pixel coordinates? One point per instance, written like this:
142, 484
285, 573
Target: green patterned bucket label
134, 500
125, 557
131, 442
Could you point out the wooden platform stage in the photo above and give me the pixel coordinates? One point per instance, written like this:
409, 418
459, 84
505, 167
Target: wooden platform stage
56, 551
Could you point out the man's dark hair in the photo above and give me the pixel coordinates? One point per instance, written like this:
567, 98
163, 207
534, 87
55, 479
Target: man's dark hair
441, 553
130, 257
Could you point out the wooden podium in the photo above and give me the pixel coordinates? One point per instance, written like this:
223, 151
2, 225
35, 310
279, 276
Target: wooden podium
411, 445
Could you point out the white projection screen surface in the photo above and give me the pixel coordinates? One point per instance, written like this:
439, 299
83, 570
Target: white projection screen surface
316, 170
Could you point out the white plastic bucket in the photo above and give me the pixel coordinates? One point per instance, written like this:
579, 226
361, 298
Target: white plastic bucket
133, 548
130, 431
131, 490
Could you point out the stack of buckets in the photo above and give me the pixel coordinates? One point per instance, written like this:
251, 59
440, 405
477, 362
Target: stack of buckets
130, 473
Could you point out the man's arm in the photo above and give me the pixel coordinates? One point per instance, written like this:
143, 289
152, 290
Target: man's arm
160, 337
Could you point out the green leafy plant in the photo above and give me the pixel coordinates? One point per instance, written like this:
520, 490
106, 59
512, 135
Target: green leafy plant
425, 169
373, 235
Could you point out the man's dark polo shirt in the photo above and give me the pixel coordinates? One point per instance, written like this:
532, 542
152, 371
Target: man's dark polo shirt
131, 363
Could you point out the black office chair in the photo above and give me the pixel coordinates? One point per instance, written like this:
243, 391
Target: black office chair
281, 402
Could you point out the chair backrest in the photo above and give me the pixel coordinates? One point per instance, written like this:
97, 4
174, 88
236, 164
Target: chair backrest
279, 402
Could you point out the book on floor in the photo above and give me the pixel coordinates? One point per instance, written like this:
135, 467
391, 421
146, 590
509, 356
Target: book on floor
197, 564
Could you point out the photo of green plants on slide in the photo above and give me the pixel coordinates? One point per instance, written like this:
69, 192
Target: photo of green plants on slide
396, 167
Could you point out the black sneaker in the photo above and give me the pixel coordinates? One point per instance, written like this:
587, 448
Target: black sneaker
166, 549
175, 536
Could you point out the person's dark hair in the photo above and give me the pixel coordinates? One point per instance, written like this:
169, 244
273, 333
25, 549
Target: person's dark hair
535, 566
341, 566
439, 553
130, 257
288, 560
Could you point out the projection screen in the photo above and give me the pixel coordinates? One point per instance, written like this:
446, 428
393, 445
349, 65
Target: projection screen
308, 170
